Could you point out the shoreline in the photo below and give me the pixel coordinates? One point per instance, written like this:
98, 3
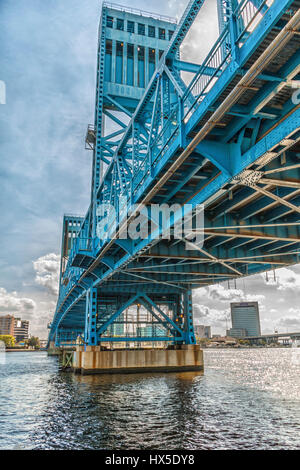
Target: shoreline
22, 350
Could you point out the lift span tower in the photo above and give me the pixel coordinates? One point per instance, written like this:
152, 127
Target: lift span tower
228, 141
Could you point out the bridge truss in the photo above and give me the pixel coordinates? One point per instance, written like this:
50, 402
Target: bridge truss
227, 142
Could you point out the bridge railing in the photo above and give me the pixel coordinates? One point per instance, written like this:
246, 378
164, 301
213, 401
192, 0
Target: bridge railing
80, 245
217, 61
166, 137
135, 11
72, 274
246, 17
70, 279
161, 145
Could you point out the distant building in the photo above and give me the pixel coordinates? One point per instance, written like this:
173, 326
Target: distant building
117, 329
148, 331
202, 331
21, 329
237, 332
245, 319
7, 325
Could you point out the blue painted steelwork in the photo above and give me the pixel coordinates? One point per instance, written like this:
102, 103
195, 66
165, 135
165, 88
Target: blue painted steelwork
228, 140
68, 338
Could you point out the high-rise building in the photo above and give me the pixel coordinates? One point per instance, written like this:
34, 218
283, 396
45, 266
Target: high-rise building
237, 332
117, 329
148, 331
245, 319
21, 329
202, 331
7, 325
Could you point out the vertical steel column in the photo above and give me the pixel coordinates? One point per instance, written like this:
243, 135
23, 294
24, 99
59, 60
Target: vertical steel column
135, 66
99, 103
165, 98
90, 331
113, 62
135, 146
125, 62
188, 317
57, 339
178, 317
226, 8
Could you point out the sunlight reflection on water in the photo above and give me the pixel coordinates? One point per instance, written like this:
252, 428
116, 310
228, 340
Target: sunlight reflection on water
246, 399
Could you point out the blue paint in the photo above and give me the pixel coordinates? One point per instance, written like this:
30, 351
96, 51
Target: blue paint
155, 118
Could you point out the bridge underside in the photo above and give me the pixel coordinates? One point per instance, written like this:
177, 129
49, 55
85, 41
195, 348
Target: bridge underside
229, 143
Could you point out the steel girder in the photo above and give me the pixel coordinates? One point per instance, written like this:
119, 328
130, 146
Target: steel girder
226, 144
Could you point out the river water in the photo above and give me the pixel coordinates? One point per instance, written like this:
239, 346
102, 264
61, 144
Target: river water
246, 399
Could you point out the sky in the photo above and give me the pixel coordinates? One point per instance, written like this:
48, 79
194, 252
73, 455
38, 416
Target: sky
48, 64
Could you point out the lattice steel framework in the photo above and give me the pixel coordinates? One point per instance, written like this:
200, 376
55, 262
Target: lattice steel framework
228, 140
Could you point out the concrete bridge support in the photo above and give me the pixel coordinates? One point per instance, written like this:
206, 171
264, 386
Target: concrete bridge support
93, 360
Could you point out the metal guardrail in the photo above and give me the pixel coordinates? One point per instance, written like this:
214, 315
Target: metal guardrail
247, 17
220, 55
217, 61
72, 274
75, 216
135, 11
80, 245
247, 14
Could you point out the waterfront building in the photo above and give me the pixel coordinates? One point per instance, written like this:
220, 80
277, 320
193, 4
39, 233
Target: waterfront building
151, 330
21, 329
117, 329
7, 325
245, 316
237, 332
202, 331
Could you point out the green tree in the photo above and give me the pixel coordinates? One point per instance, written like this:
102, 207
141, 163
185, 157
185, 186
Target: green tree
244, 342
33, 342
8, 340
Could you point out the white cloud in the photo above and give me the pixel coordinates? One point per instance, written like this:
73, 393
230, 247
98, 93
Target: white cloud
176, 7
200, 311
209, 303
47, 272
290, 321
285, 279
210, 316
10, 302
295, 311
219, 293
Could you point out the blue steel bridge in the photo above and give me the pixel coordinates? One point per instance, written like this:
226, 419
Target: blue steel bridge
228, 140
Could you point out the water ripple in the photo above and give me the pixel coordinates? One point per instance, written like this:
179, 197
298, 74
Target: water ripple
247, 399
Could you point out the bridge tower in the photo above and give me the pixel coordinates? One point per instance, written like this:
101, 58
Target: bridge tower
131, 44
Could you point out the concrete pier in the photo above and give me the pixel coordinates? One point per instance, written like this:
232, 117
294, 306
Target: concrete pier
93, 360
